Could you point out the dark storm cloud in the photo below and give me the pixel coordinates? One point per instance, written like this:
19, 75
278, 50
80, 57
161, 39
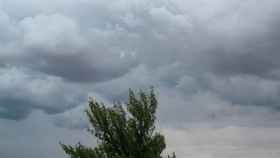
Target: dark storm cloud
55, 44
14, 108
257, 56
96, 44
23, 90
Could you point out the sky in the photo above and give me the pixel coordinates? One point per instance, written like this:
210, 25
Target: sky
214, 65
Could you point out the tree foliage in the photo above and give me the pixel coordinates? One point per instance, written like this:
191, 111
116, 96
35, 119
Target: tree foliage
123, 131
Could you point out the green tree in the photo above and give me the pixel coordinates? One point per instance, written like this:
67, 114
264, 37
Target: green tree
123, 131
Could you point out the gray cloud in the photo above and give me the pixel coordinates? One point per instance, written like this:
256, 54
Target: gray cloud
23, 90
173, 44
214, 64
205, 142
36, 136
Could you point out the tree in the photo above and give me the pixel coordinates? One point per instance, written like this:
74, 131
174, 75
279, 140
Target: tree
123, 131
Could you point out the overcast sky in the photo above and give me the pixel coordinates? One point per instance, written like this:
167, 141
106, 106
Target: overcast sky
214, 64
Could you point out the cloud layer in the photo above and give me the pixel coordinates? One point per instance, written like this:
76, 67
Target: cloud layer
214, 65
